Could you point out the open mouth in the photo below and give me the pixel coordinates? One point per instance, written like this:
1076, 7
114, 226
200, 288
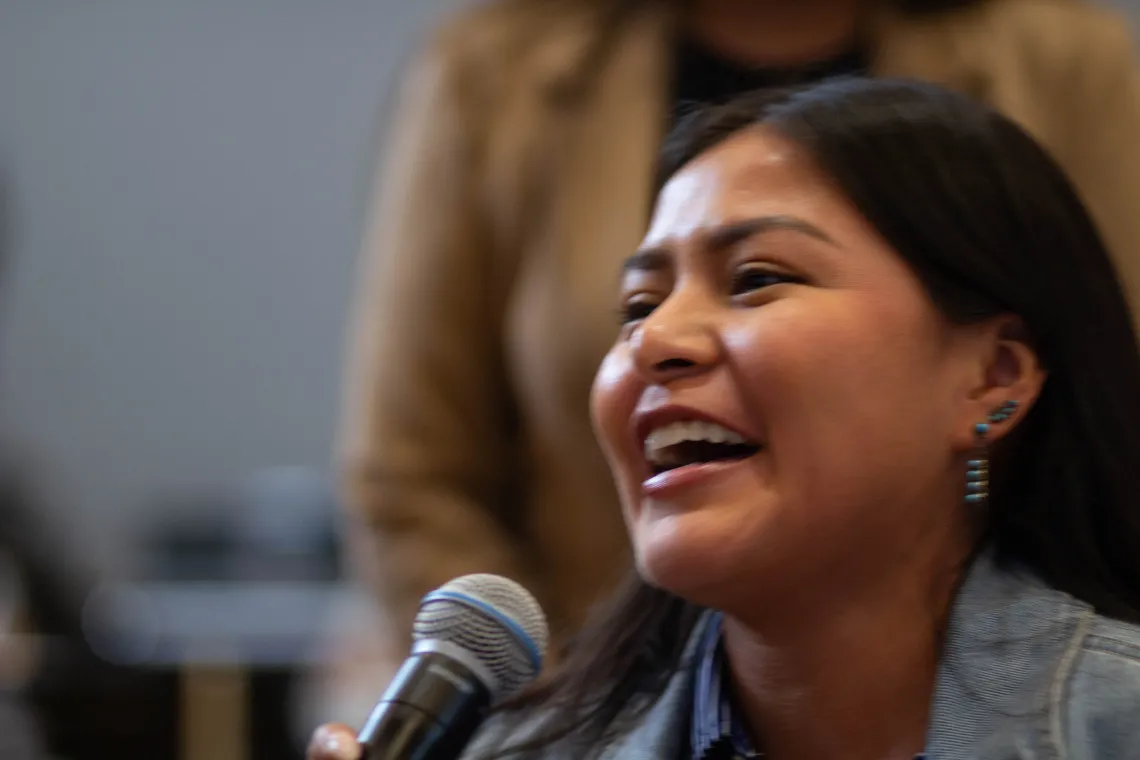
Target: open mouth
680, 444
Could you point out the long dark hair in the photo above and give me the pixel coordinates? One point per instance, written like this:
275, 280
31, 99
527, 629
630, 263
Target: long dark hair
991, 226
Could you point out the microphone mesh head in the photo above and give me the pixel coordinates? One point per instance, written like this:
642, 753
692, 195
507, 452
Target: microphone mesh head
493, 619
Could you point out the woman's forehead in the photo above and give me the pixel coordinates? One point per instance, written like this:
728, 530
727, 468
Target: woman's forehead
752, 174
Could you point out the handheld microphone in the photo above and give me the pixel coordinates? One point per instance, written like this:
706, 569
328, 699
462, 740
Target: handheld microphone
477, 640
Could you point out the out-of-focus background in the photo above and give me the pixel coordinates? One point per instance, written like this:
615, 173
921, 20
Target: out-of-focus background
185, 185
187, 182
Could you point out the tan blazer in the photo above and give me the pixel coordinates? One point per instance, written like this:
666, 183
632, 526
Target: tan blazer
508, 198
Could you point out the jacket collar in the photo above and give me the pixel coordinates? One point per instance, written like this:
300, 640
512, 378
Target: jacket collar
660, 732
1010, 645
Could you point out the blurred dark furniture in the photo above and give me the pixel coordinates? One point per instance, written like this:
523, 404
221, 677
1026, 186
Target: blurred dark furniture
198, 657
85, 708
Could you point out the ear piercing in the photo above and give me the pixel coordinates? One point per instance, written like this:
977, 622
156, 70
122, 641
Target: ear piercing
978, 468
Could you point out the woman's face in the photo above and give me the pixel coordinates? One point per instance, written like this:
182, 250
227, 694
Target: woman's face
784, 404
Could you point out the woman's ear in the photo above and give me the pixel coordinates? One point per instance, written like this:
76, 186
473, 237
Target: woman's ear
1008, 380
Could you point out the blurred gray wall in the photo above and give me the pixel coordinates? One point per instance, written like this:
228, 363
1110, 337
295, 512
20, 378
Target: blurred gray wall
188, 178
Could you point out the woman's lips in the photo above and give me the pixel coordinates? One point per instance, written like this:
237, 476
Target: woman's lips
691, 475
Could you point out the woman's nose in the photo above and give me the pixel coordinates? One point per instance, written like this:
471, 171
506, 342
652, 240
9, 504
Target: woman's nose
667, 347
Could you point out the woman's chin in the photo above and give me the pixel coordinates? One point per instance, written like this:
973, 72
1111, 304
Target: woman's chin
689, 562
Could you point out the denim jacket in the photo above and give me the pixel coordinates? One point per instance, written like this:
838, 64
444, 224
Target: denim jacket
1027, 673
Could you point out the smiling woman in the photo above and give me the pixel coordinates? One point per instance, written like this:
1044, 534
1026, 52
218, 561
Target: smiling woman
783, 317
845, 298
853, 304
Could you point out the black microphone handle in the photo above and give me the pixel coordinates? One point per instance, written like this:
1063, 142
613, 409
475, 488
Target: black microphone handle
430, 711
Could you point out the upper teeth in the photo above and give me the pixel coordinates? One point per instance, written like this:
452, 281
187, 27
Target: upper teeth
675, 432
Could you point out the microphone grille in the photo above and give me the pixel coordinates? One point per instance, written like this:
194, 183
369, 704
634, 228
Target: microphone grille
493, 619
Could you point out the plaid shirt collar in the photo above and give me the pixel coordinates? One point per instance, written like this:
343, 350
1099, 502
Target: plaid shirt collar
717, 730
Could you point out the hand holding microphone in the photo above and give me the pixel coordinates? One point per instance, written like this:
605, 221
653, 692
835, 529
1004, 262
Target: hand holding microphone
334, 741
478, 640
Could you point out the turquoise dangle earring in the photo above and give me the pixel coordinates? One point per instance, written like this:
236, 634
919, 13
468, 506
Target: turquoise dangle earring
978, 468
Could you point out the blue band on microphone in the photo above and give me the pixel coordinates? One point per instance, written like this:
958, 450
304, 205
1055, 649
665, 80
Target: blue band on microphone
493, 612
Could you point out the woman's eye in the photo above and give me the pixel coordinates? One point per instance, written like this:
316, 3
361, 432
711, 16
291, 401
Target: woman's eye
635, 310
750, 279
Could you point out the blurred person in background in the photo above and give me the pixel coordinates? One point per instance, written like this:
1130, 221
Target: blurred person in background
517, 178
